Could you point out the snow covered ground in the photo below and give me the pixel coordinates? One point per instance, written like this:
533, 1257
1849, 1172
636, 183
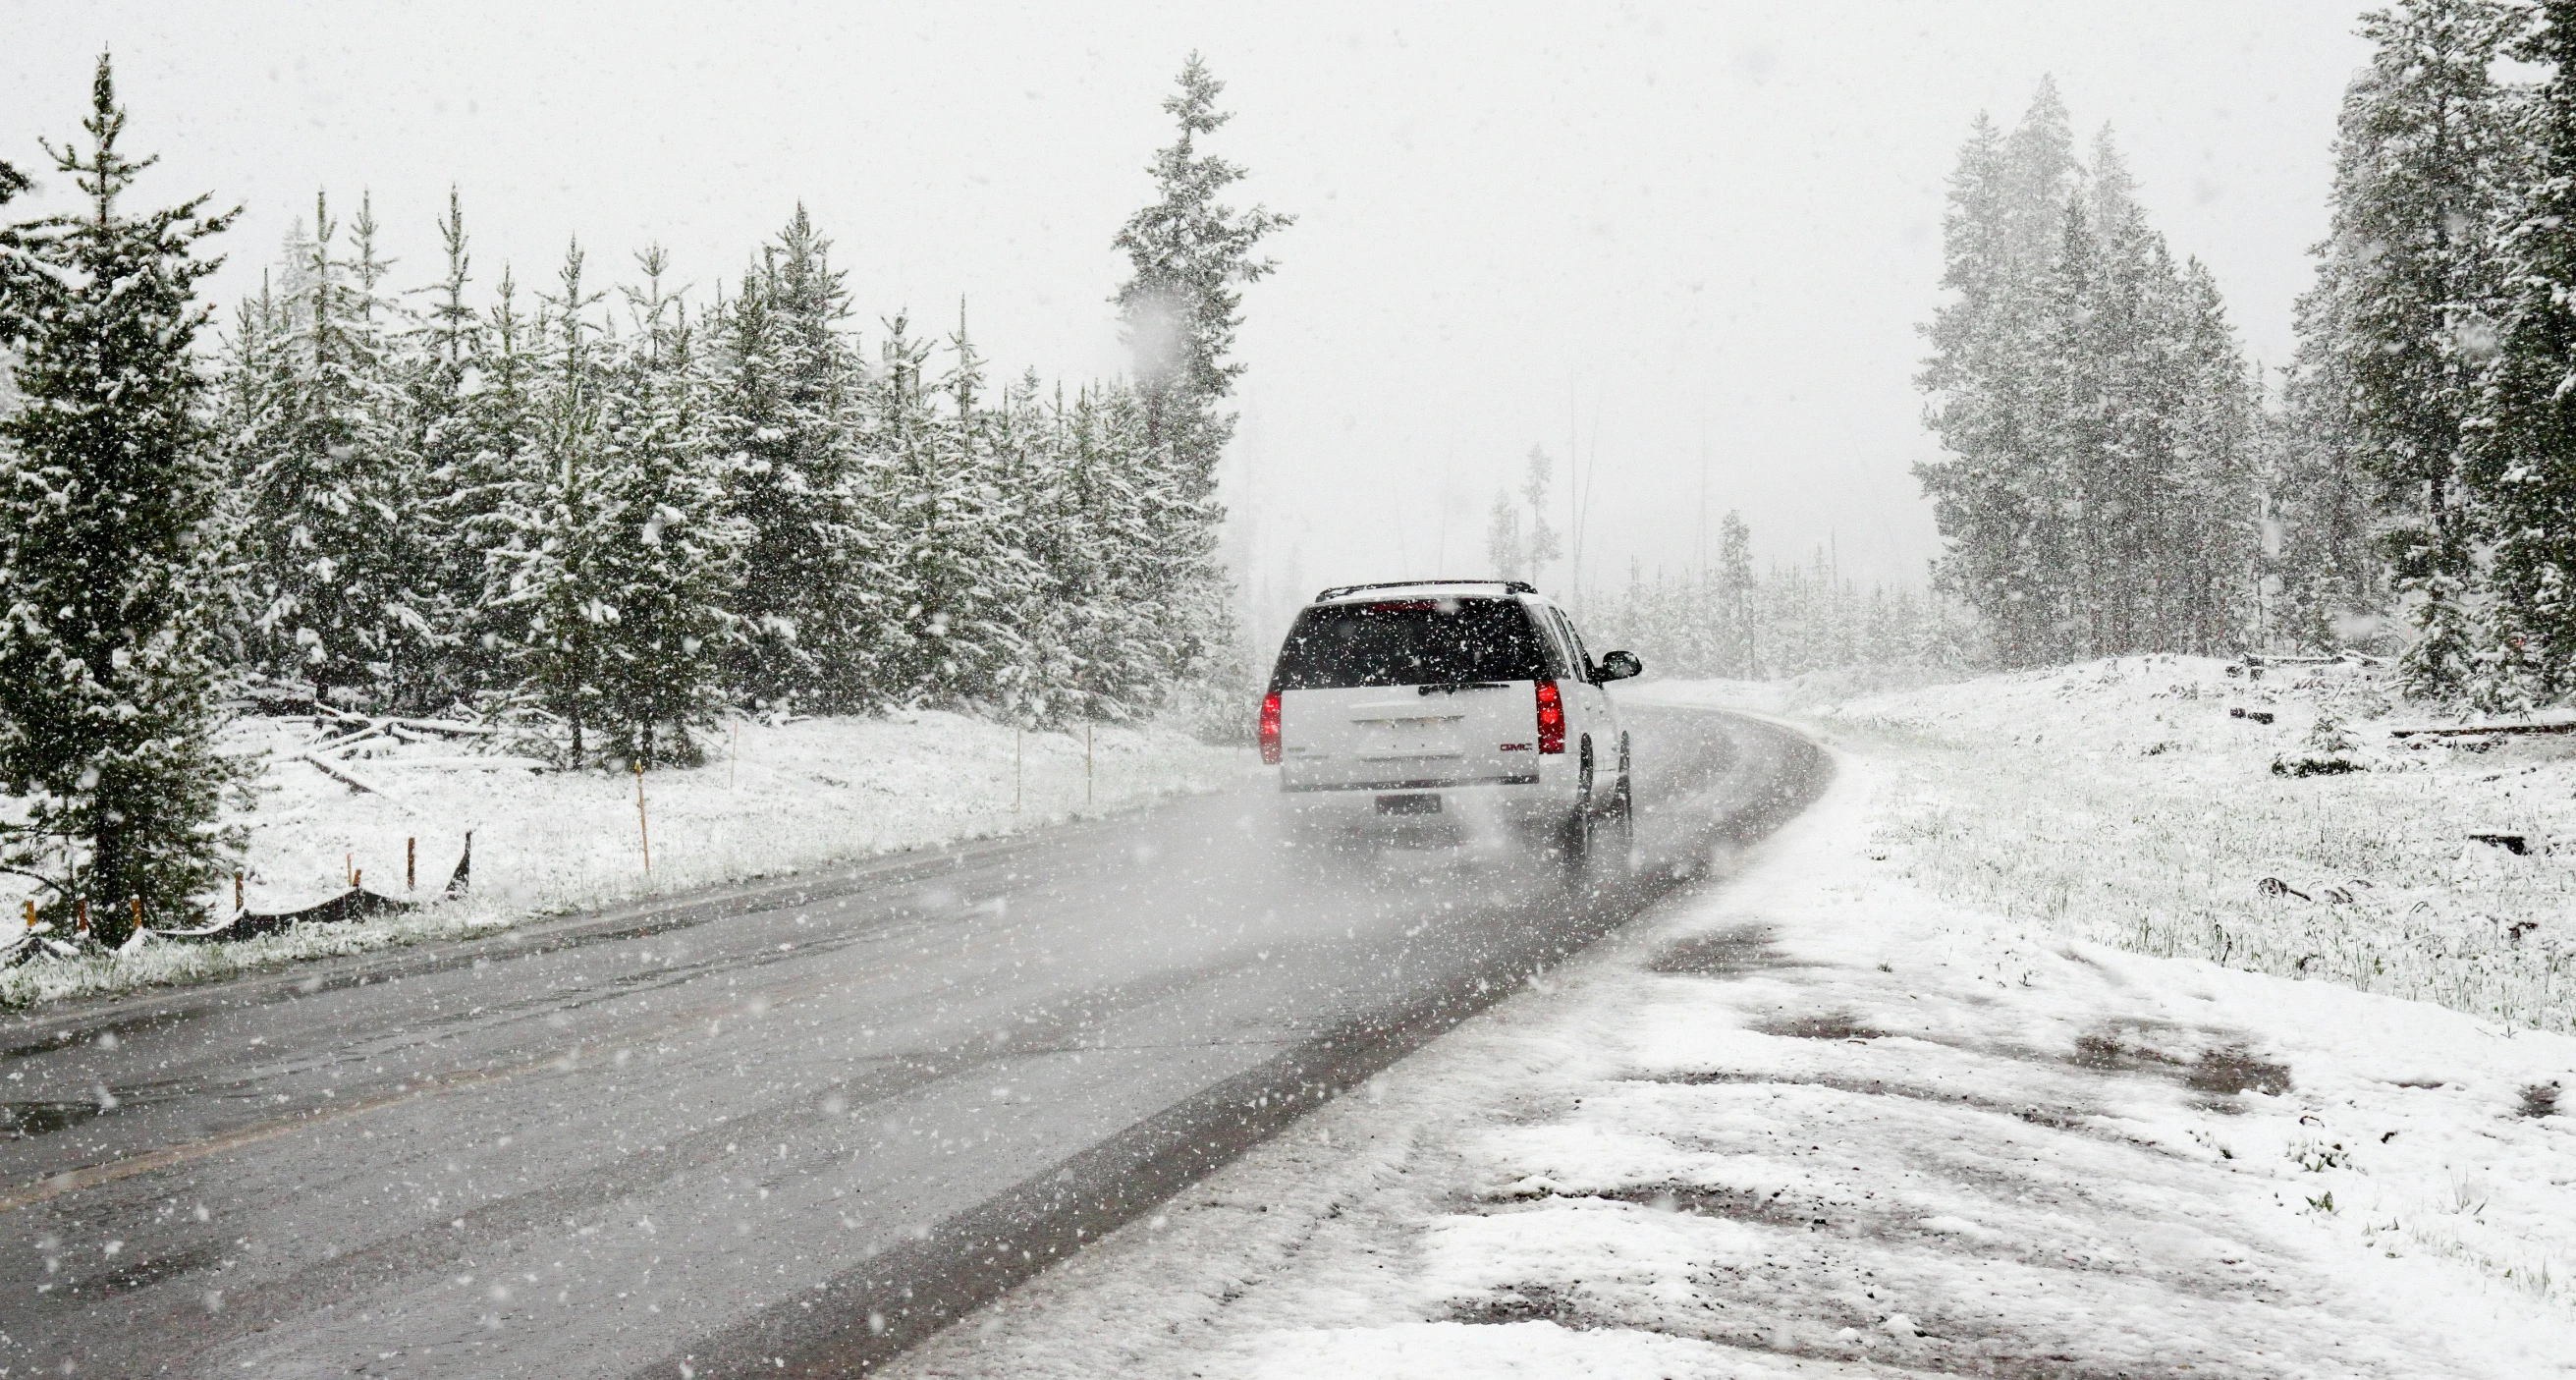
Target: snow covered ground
2126, 801
1881, 1106
772, 799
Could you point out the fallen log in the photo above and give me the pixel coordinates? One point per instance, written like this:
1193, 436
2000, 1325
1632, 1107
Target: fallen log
490, 762
341, 774
2480, 730
453, 730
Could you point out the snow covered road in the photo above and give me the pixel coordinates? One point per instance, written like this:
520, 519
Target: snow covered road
1816, 1122
785, 1128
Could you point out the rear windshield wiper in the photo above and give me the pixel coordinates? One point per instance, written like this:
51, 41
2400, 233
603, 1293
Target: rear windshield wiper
1454, 686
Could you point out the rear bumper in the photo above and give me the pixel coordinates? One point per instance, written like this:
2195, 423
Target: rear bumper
1466, 807
1287, 787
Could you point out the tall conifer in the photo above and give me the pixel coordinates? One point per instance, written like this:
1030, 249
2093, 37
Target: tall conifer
2399, 322
2524, 460
108, 699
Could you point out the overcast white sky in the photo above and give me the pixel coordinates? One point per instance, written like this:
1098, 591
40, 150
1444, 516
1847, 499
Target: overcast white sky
1518, 223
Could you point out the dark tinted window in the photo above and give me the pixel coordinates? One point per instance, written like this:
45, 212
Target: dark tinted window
1409, 642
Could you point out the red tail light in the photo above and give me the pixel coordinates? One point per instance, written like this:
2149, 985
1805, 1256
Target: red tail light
1270, 729
1551, 718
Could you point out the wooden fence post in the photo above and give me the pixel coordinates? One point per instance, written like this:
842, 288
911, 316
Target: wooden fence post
643, 826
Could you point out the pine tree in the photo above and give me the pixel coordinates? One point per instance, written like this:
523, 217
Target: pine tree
108, 701
786, 410
2400, 320
475, 495
1189, 254
2321, 538
461, 472
1103, 621
1543, 545
14, 266
335, 484
1506, 545
560, 523
2523, 460
2057, 487
2210, 539
1995, 494
955, 567
665, 563
244, 385
1737, 653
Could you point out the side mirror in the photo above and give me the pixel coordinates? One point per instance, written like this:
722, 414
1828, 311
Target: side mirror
1619, 666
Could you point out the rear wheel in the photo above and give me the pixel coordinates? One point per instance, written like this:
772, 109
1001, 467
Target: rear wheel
1617, 841
1579, 836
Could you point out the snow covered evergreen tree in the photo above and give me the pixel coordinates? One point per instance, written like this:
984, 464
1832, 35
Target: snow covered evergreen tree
441, 374
560, 522
1735, 650
961, 568
2400, 322
493, 460
1518, 540
2523, 457
335, 484
665, 559
108, 699
2322, 542
2212, 535
1189, 255
1104, 645
1994, 496
789, 389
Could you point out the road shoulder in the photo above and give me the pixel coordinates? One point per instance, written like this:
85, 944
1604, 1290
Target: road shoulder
1816, 1121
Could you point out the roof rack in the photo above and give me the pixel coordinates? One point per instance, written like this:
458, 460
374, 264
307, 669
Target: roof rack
1337, 591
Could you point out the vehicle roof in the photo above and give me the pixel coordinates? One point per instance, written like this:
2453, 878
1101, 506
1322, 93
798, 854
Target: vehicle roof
1429, 589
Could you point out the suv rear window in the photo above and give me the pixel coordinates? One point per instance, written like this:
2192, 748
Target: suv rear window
1409, 642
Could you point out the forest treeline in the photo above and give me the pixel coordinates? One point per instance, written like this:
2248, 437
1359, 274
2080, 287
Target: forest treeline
1733, 620
588, 502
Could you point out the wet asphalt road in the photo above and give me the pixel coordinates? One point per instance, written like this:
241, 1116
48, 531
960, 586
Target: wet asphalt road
783, 1129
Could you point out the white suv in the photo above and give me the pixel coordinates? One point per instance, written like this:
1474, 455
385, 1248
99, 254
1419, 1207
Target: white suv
1464, 708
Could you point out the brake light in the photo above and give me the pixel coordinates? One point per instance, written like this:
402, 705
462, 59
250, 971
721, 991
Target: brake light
1551, 718
1270, 729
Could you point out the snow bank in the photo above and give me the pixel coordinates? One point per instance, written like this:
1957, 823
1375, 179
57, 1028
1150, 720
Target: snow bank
1821, 1121
771, 800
